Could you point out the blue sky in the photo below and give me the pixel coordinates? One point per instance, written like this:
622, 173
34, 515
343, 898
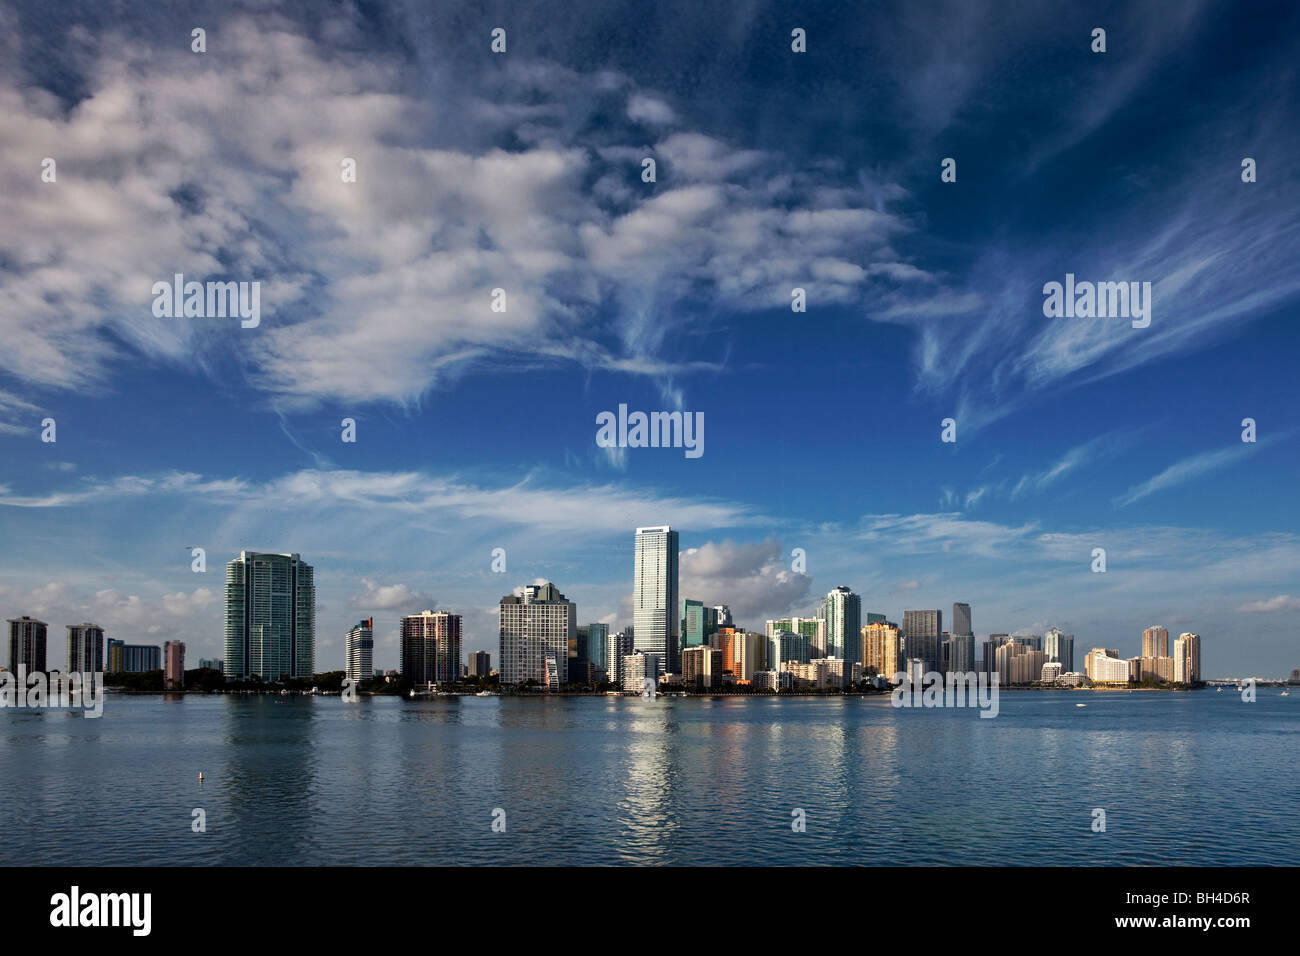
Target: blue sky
522, 170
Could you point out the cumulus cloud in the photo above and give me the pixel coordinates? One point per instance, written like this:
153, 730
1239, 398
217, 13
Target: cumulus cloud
390, 597
754, 579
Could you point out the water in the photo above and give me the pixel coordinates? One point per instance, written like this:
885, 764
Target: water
1185, 779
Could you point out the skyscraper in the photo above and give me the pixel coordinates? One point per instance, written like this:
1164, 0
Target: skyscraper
961, 641
844, 625
1155, 642
882, 648
694, 622
813, 628
620, 646
174, 665
431, 647
270, 616
921, 632
534, 626
85, 648
1060, 648
480, 664
655, 625
359, 650
1187, 658
27, 644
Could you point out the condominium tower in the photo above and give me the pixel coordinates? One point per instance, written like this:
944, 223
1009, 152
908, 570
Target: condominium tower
431, 647
534, 627
270, 617
27, 644
85, 648
359, 650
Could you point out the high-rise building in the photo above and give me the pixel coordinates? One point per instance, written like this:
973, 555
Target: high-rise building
592, 646
695, 631
538, 623
85, 648
844, 625
270, 617
921, 633
1103, 666
1187, 658
961, 619
139, 658
359, 650
27, 644
113, 656
883, 648
431, 647
174, 665
655, 608
1155, 642
785, 646
636, 668
731, 641
722, 616
989, 660
620, 645
961, 641
701, 667
210, 663
1059, 647
480, 664
813, 628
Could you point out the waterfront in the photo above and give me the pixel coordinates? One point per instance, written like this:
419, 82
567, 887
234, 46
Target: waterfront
1195, 778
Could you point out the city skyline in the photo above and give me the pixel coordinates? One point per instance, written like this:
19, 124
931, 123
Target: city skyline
538, 627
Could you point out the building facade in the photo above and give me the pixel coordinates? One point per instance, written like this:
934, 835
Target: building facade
655, 625
359, 650
922, 632
431, 647
85, 648
844, 624
538, 623
1187, 658
1059, 647
27, 640
1155, 642
270, 617
174, 665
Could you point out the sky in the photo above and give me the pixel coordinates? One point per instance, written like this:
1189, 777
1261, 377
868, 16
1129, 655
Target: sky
774, 170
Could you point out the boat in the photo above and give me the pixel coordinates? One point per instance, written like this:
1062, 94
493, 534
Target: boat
1220, 690
1080, 705
1286, 693
484, 693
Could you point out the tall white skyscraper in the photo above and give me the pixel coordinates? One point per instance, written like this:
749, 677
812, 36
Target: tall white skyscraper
360, 650
655, 609
844, 625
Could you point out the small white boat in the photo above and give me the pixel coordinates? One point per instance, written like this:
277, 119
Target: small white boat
484, 693
1286, 693
1080, 705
